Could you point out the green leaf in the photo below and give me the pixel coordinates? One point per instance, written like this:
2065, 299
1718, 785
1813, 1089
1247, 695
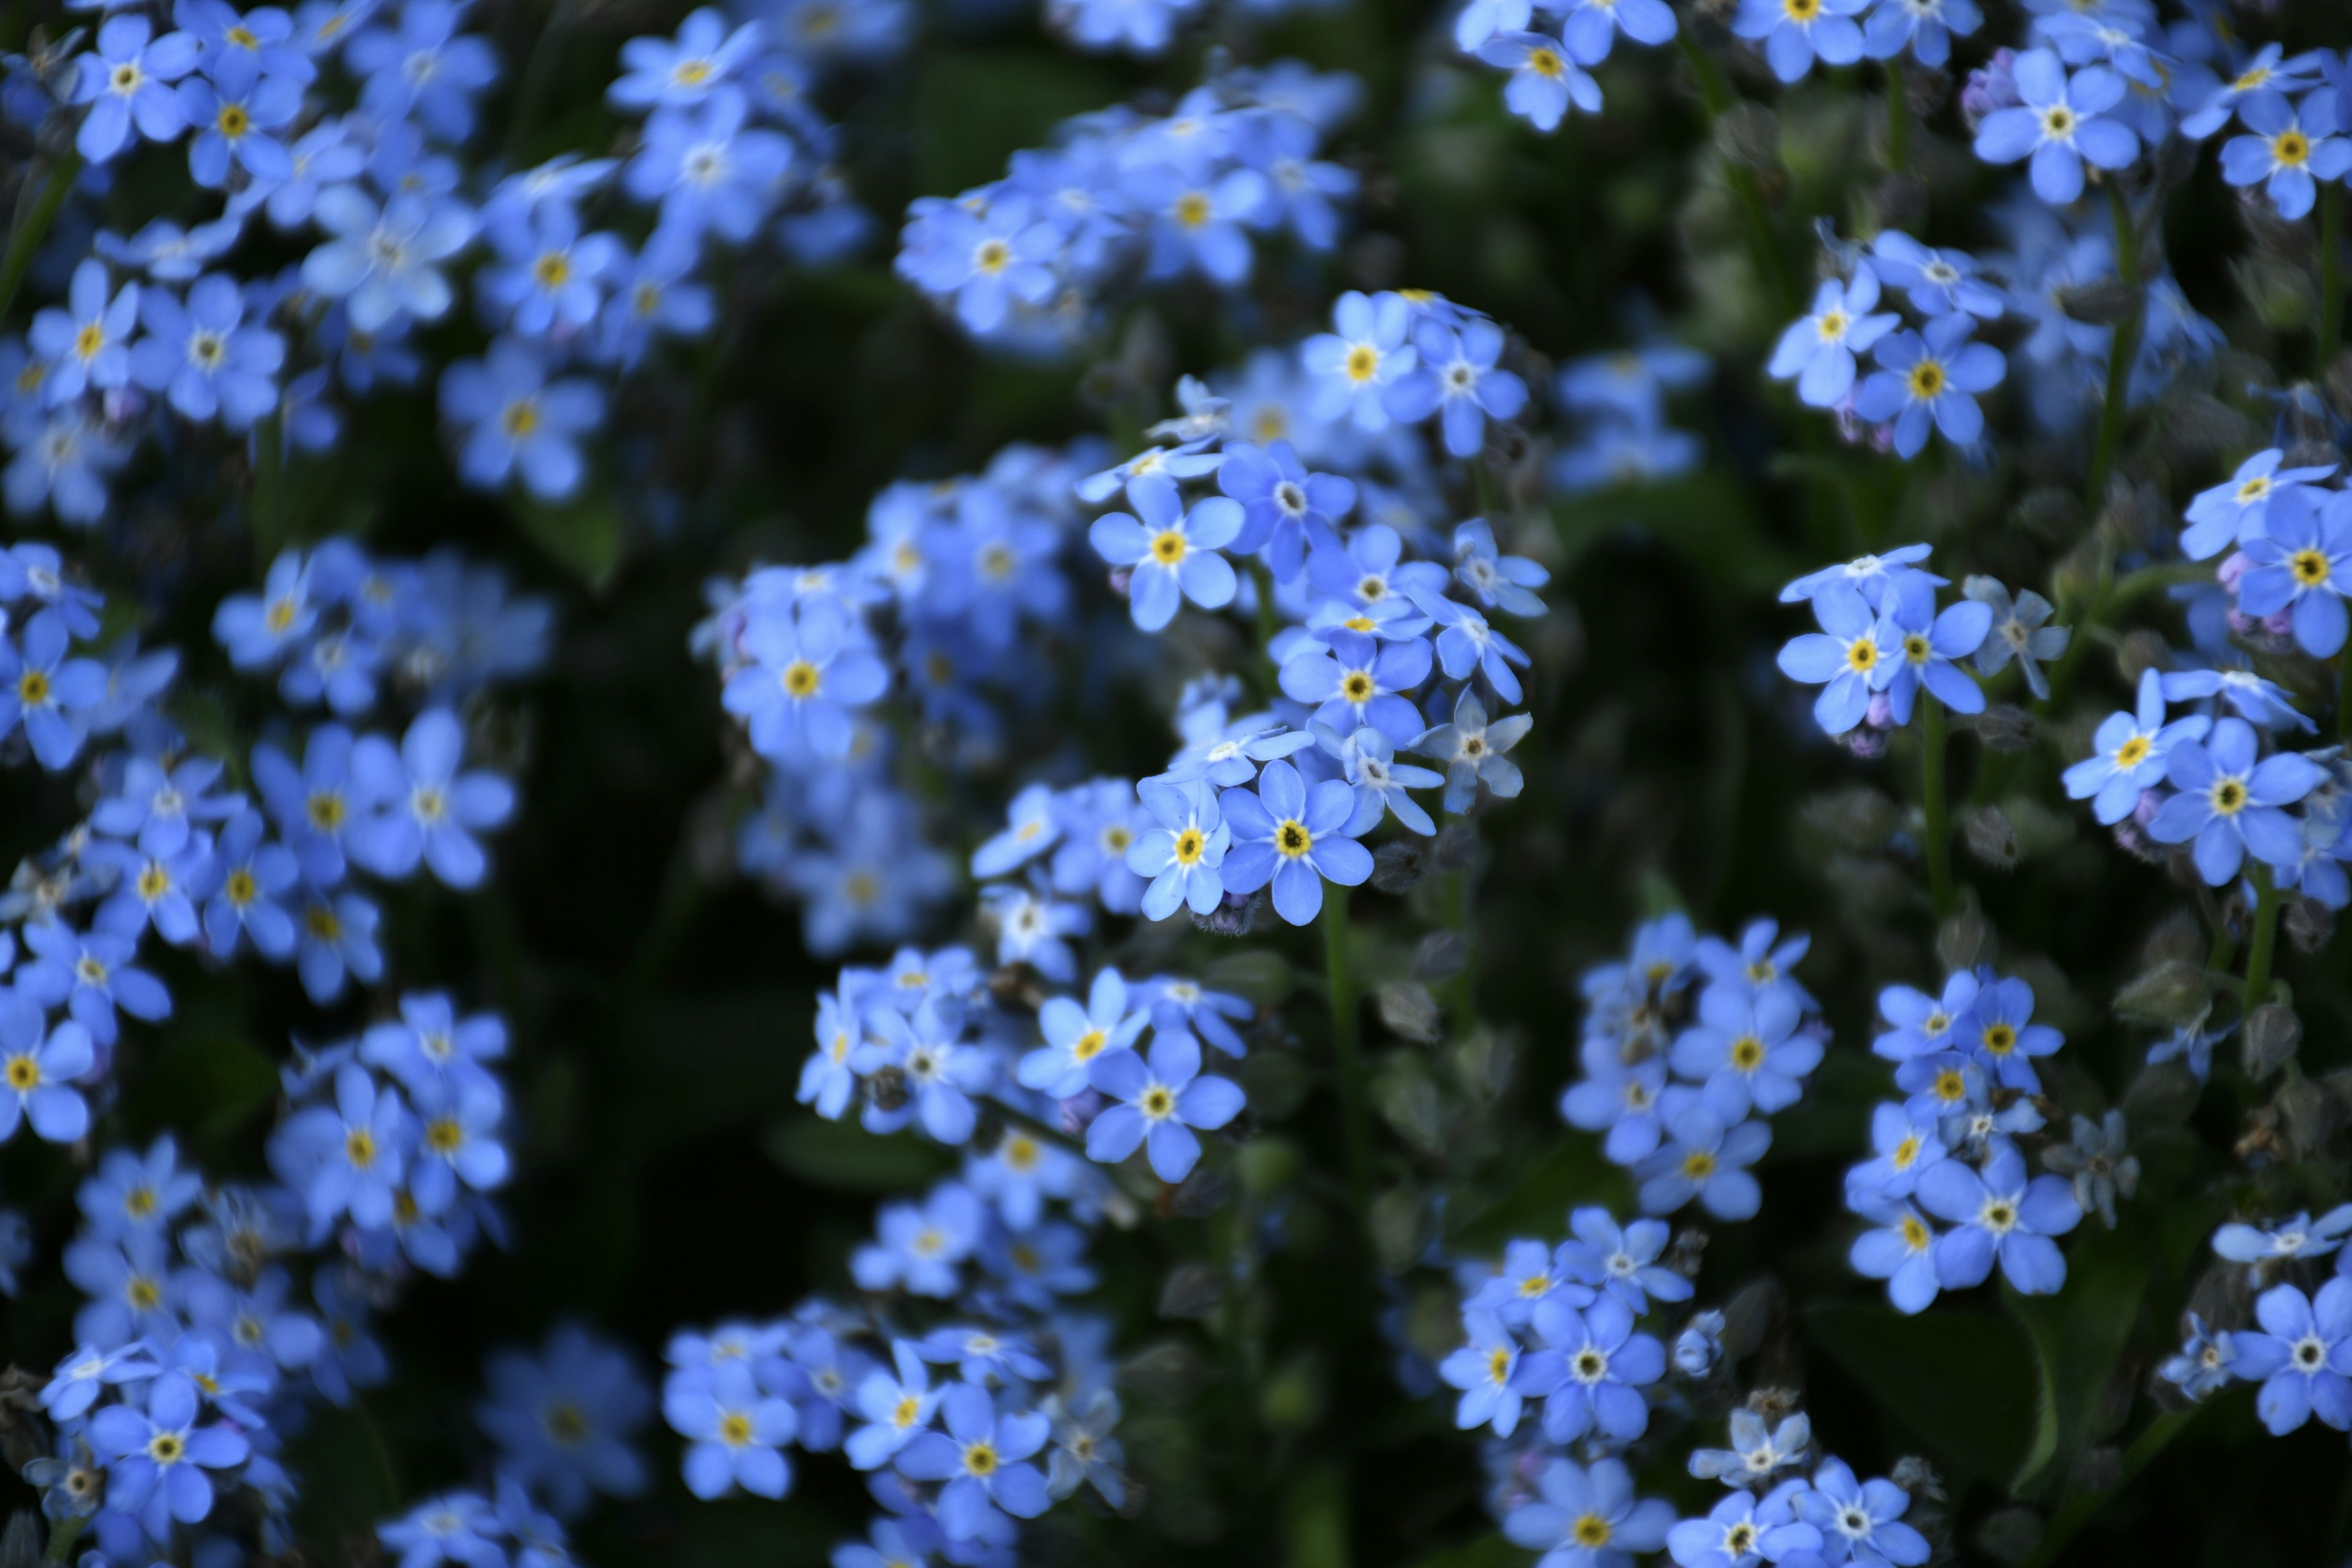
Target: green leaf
583, 537
2078, 1337
1574, 1173
975, 108
1963, 1383
846, 1157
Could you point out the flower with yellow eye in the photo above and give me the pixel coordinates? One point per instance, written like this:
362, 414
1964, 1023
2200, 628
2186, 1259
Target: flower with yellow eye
2238, 508
1163, 1098
1482, 1369
1590, 1370
2231, 804
39, 1065
1906, 1145
2129, 753
1924, 646
733, 1430
1294, 838
2060, 124
984, 1457
47, 693
1183, 857
1172, 553
1357, 680
2303, 566
1706, 1159
920, 1247
1588, 1518
1928, 380
425, 808
1818, 350
1284, 507
1351, 366
1746, 1052
1843, 659
2287, 152
1999, 1215
897, 1407
1998, 1030
1796, 32
1077, 1038
1899, 1248
161, 1453
355, 1152
1545, 79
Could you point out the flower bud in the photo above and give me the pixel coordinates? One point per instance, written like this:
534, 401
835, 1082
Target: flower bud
2172, 993
2272, 1034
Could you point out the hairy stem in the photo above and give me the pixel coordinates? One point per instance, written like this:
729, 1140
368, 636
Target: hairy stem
2265, 938
1347, 1051
1932, 746
2122, 352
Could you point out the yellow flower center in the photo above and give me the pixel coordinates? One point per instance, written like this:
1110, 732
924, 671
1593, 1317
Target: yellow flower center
232, 121
2058, 123
1747, 1053
521, 418
801, 678
1189, 845
1545, 63
553, 269
1832, 325
2229, 796
1914, 1233
23, 1074
242, 888
1927, 380
1089, 1046
1364, 362
2290, 148
1159, 1102
1292, 839
1021, 1153
358, 1148
166, 1447
2000, 1039
1861, 654
1950, 1086
1698, 1165
1356, 686
1192, 208
992, 257
735, 1428
2132, 751
2309, 567
1590, 1531
1168, 546
33, 689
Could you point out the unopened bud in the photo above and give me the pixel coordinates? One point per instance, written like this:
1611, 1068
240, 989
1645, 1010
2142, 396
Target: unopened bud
2273, 1035
1748, 134
2004, 727
1441, 955
1992, 838
2103, 303
1397, 866
2172, 993
2308, 924
1965, 941
1409, 1010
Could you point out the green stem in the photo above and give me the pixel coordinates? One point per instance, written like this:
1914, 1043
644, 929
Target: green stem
1931, 799
1746, 189
33, 224
2083, 1507
2265, 938
2331, 275
1898, 120
62, 1539
2344, 695
2122, 352
1347, 1053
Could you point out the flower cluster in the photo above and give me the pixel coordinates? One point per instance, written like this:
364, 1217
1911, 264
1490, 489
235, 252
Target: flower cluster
1690, 1046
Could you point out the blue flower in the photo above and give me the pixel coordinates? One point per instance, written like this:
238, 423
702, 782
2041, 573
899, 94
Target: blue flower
986, 262
1529, 1274
1484, 1369
1285, 508
1472, 751
1359, 681
204, 357
1819, 351
551, 277
941, 1071
918, 1248
2287, 149
1707, 1160
1922, 1022
984, 1357
1860, 1522
125, 81
1619, 1098
1997, 1032
234, 110
1999, 1215
983, 1459
457, 1143
1163, 1098
92, 974
456, 1527
1368, 762
1794, 35
1544, 79
1746, 1053
1743, 1530
1187, 1005
897, 1408
133, 1192
1899, 1248
512, 418
2058, 124
1925, 26
1468, 646
2297, 1235
1590, 1371
1760, 962
425, 71
241, 884
705, 53
896, 1543
2231, 804
2265, 72
1874, 578
429, 1045
1843, 658
1196, 220
1498, 582
1588, 1518
1172, 553
1903, 1147
656, 292
1457, 380
734, 1431
564, 1420
157, 1457
708, 171
1294, 838
1031, 927
1929, 380
421, 807
2301, 564
807, 672
2235, 511
1351, 368
386, 262
86, 1371
1940, 282
1624, 1262
2207, 1361
1590, 28
355, 1150
2300, 1357
313, 805
1757, 1451
87, 344
1923, 646
1184, 855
